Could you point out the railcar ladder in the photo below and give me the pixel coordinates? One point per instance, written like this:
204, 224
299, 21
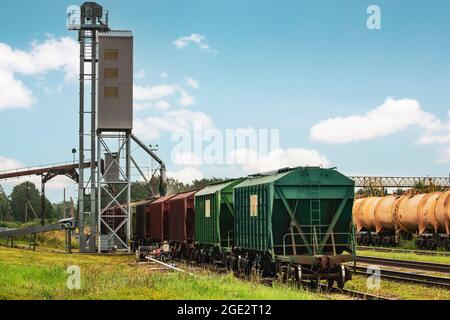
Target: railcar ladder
315, 214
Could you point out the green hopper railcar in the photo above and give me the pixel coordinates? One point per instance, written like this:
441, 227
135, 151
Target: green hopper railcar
295, 223
214, 223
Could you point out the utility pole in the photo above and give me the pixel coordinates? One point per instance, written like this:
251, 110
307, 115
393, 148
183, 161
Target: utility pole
26, 205
64, 205
153, 166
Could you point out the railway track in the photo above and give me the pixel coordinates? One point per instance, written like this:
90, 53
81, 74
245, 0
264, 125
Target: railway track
408, 264
269, 281
427, 280
396, 250
353, 294
335, 290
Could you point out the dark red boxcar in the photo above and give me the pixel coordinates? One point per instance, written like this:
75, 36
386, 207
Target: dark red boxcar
157, 219
140, 220
181, 217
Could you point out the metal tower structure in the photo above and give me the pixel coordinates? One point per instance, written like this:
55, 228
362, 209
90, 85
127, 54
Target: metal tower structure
88, 21
106, 123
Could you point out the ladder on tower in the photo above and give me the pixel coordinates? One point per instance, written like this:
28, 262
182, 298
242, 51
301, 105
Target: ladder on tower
315, 219
86, 37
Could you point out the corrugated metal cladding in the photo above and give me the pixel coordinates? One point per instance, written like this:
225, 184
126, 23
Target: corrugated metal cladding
262, 221
158, 221
115, 84
181, 217
214, 214
112, 167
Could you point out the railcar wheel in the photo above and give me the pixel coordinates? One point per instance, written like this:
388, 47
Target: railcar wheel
292, 275
445, 244
431, 244
420, 243
138, 256
314, 283
229, 263
254, 273
239, 266
284, 270
342, 277
299, 276
376, 241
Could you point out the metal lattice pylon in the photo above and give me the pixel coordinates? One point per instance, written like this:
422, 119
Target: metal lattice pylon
114, 185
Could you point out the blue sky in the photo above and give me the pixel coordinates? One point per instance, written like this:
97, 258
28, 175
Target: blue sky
286, 65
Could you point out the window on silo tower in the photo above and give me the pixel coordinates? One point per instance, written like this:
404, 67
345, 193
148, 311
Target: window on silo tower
111, 54
111, 73
111, 92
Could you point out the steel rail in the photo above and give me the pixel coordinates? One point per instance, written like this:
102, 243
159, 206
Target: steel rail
427, 280
334, 290
408, 264
307, 285
397, 250
168, 266
357, 294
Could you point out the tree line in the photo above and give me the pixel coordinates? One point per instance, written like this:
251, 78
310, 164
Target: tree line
24, 205
15, 209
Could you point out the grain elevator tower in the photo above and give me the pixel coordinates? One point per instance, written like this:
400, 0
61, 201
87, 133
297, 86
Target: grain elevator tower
105, 122
114, 128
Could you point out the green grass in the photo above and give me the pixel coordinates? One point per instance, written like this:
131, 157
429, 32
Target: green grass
400, 290
40, 275
408, 244
404, 256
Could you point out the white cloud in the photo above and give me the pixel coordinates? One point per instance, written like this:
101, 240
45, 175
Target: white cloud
138, 106
428, 138
391, 117
443, 156
252, 162
440, 138
192, 83
161, 92
186, 175
7, 164
440, 135
52, 54
186, 159
13, 94
153, 92
161, 105
195, 38
164, 75
150, 128
140, 74
186, 99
